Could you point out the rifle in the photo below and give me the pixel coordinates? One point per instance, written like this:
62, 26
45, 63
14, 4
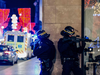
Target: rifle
76, 39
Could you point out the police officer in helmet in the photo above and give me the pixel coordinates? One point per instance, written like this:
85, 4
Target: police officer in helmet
45, 51
69, 52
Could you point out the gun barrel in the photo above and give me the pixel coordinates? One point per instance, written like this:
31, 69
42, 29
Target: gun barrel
95, 41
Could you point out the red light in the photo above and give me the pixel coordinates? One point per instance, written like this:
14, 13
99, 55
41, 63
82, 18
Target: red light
7, 52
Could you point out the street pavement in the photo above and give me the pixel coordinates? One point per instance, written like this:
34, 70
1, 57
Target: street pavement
32, 67
29, 67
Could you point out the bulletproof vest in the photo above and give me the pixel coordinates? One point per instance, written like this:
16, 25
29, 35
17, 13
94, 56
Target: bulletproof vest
67, 48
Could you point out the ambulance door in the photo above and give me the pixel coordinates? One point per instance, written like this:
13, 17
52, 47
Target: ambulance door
20, 43
10, 40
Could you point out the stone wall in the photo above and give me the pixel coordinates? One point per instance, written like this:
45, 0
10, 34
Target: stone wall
57, 14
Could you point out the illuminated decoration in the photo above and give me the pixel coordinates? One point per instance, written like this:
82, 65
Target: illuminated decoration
25, 16
5, 24
23, 25
25, 29
14, 21
96, 21
96, 9
30, 26
4, 13
1, 31
25, 19
89, 3
2, 27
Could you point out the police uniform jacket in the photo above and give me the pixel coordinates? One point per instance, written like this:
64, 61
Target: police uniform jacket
45, 50
68, 49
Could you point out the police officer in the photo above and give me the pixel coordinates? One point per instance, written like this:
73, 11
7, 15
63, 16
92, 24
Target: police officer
45, 50
69, 52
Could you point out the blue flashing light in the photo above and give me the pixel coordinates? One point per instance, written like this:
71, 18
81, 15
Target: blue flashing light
35, 36
86, 37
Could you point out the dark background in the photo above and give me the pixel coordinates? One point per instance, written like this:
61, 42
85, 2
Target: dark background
14, 4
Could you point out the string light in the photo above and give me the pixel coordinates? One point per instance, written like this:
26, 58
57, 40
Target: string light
14, 21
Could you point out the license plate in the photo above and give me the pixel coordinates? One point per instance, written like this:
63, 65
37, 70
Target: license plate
1, 54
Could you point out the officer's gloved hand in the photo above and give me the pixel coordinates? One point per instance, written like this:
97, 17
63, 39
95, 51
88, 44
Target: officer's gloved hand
71, 43
83, 45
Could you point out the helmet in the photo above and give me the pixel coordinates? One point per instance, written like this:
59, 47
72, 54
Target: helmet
68, 31
42, 34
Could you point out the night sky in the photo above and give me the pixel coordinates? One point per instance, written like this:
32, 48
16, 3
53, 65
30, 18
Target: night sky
22, 4
19, 3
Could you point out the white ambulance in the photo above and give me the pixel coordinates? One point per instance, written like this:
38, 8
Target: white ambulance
20, 41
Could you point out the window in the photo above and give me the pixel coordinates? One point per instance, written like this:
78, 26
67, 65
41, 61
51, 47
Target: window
11, 38
20, 38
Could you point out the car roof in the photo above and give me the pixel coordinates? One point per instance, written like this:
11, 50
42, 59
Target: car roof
5, 46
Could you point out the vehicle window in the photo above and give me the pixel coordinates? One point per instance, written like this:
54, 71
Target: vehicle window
20, 38
11, 49
3, 48
11, 38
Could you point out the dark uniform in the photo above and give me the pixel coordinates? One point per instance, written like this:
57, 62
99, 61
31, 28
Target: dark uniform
69, 53
45, 51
